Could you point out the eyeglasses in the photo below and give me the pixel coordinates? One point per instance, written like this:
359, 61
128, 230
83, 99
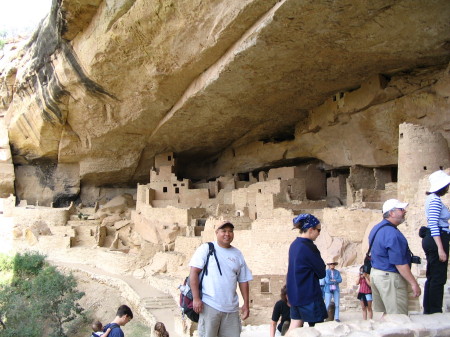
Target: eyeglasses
401, 209
318, 229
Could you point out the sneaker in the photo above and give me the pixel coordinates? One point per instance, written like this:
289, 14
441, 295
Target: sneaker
338, 320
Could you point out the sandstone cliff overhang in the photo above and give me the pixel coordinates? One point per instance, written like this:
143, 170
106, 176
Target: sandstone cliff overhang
107, 85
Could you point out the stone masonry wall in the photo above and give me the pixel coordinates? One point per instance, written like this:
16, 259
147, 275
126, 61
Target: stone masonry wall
51, 216
420, 152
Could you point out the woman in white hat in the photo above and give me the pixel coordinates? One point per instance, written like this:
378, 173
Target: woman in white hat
436, 242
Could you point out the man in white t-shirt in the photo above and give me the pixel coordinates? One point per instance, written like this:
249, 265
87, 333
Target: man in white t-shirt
219, 305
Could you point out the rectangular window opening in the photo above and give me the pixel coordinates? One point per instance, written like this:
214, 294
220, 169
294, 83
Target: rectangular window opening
265, 285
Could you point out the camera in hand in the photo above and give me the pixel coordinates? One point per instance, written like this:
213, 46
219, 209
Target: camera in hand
416, 259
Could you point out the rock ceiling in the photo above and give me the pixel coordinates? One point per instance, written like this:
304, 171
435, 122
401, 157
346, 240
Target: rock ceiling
107, 85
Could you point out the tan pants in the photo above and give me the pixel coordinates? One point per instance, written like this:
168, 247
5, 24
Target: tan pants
214, 323
389, 292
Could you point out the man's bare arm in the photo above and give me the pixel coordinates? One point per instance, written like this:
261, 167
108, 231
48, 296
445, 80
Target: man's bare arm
194, 281
405, 271
245, 310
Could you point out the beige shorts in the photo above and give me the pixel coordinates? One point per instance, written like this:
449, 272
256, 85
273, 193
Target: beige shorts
215, 323
389, 292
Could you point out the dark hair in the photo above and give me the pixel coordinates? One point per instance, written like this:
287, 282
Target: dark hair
160, 330
97, 326
283, 293
441, 192
124, 310
304, 230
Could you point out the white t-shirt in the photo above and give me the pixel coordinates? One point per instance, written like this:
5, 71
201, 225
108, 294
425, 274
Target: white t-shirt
219, 291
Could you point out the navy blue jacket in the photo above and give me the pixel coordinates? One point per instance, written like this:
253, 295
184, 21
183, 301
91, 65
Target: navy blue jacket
305, 269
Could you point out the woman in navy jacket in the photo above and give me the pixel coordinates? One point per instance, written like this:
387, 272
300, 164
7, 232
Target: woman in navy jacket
305, 269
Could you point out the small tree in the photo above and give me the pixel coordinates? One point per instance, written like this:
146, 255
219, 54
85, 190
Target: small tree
57, 297
38, 300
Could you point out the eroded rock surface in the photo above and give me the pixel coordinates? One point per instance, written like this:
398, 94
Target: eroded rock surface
228, 86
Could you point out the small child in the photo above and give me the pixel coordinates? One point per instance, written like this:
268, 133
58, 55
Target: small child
97, 327
160, 330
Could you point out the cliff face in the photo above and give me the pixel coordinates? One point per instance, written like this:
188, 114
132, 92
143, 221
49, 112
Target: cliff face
228, 86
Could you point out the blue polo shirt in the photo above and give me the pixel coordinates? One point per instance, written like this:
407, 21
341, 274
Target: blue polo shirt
390, 247
305, 269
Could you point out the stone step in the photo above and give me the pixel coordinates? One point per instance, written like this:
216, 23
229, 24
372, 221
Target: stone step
159, 302
372, 205
77, 222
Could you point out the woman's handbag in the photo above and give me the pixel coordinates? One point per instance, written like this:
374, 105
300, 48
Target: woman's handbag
423, 231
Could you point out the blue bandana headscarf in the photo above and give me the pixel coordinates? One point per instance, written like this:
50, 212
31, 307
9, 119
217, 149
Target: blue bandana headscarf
306, 220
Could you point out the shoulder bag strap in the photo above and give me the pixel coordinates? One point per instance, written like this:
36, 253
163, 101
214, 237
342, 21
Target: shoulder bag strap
373, 239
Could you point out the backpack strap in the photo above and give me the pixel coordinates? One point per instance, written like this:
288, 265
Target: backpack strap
211, 251
373, 239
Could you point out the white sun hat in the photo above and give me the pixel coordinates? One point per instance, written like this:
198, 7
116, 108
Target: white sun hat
393, 203
438, 180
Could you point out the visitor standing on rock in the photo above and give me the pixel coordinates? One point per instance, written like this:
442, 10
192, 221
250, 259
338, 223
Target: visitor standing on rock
123, 316
365, 293
280, 310
160, 330
436, 242
332, 279
305, 269
391, 259
218, 305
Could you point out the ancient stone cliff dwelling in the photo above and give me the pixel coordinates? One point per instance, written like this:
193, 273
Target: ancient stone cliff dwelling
137, 126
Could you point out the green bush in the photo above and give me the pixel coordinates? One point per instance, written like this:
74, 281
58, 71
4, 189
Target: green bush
39, 301
6, 263
6, 269
28, 264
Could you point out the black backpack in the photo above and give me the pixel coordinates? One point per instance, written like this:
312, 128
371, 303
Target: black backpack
186, 298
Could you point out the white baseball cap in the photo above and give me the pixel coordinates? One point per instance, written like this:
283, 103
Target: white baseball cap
393, 203
438, 180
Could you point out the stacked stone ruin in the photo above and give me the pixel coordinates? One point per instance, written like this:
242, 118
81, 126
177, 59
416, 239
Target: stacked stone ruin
177, 215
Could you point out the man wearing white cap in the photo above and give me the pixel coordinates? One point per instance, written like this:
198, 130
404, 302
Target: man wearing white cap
391, 260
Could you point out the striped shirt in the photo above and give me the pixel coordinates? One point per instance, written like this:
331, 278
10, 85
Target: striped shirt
437, 214
364, 288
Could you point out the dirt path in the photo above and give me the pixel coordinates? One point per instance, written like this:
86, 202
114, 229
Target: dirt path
141, 289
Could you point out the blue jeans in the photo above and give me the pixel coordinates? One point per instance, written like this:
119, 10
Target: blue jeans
336, 295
